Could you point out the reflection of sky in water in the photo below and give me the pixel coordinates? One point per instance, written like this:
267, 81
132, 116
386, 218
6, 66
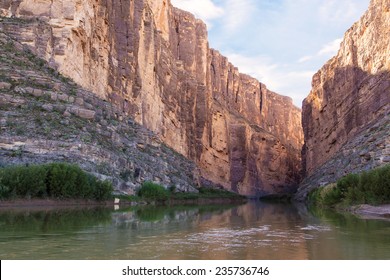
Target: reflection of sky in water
251, 231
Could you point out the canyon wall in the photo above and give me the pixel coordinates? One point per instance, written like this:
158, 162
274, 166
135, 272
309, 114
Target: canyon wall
346, 116
153, 61
46, 117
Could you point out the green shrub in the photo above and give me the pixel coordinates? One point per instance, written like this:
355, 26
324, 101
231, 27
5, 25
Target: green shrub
172, 189
55, 180
23, 181
152, 191
326, 196
103, 190
372, 187
4, 192
70, 181
348, 182
61, 180
186, 196
331, 195
34, 178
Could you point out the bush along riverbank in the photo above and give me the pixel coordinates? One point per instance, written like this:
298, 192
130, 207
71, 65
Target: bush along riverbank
67, 182
55, 180
371, 187
153, 193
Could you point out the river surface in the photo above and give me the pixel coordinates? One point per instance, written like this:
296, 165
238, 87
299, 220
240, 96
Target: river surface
250, 231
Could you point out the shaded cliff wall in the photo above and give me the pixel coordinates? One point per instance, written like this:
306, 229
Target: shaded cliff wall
346, 116
153, 61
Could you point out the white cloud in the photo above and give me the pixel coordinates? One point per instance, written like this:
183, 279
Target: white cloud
331, 48
337, 11
238, 14
206, 10
305, 58
259, 67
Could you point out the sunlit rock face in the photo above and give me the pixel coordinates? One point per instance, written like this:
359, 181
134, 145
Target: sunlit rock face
153, 61
346, 116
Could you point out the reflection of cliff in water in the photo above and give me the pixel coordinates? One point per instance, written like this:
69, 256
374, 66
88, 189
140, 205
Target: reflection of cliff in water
251, 231
150, 219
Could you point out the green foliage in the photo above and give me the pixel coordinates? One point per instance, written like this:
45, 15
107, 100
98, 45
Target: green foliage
186, 196
127, 197
22, 181
372, 187
55, 180
103, 190
152, 191
4, 191
326, 196
172, 188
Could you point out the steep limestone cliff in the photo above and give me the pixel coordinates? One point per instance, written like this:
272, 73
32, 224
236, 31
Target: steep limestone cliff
45, 117
346, 116
153, 61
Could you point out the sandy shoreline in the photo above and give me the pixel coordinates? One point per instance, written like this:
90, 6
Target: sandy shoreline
366, 211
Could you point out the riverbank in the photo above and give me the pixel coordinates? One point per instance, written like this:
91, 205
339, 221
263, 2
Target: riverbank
60, 184
366, 211
371, 187
72, 203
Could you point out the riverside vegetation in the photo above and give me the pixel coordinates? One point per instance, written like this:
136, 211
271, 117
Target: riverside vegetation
54, 180
152, 192
69, 181
371, 187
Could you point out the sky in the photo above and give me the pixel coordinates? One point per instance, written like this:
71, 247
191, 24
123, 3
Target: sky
282, 43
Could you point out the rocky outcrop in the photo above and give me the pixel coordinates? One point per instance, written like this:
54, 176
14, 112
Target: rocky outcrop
153, 61
346, 116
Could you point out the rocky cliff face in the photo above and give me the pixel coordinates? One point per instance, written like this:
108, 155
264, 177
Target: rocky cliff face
45, 117
153, 61
346, 116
